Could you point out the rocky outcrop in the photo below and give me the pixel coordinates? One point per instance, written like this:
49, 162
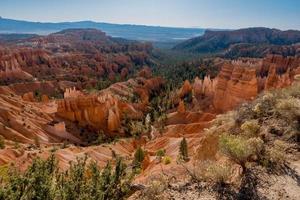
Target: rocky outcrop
72, 92
105, 110
242, 80
235, 85
205, 87
23, 121
185, 89
10, 69
273, 80
280, 63
90, 110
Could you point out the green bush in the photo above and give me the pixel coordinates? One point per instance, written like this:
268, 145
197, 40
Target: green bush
155, 189
43, 180
276, 155
167, 160
183, 150
4, 169
136, 128
139, 156
161, 153
218, 173
238, 148
289, 108
211, 171
250, 128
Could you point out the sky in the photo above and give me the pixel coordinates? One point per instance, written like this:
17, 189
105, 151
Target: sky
227, 14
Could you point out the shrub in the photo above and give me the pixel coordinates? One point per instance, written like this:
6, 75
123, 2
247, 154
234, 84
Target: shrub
4, 175
277, 154
155, 189
211, 171
161, 153
43, 180
262, 107
239, 148
35, 183
136, 128
101, 138
289, 108
161, 122
218, 173
183, 150
250, 128
256, 145
167, 160
292, 91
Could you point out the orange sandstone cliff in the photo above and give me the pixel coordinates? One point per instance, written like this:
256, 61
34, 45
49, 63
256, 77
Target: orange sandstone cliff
243, 79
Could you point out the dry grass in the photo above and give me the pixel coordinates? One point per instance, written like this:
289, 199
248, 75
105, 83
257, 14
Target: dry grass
155, 189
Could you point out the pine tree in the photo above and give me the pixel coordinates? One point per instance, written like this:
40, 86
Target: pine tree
139, 156
183, 150
44, 180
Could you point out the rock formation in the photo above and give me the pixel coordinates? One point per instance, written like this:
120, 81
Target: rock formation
185, 89
205, 87
72, 92
10, 69
242, 80
105, 110
67, 62
22, 121
235, 85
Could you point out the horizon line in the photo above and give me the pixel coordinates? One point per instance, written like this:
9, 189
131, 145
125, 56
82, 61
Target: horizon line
147, 25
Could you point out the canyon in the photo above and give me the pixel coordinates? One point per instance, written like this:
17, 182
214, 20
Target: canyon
25, 119
80, 93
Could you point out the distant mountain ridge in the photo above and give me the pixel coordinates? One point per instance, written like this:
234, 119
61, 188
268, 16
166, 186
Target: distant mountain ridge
222, 41
12, 37
131, 32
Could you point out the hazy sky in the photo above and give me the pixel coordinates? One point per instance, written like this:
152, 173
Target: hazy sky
283, 14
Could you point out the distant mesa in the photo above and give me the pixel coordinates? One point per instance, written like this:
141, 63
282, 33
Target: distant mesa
248, 42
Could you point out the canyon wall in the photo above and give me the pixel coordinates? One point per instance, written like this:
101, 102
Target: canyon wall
101, 112
234, 85
242, 80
